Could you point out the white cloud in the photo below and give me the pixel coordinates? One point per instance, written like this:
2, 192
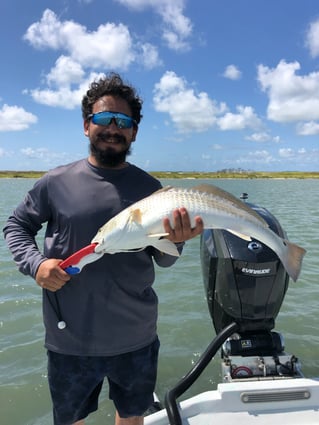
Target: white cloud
217, 147
259, 137
15, 118
232, 72
150, 56
298, 156
64, 96
109, 46
286, 153
308, 128
245, 118
177, 27
260, 157
46, 33
66, 72
43, 156
262, 137
285, 158
188, 110
174, 41
39, 153
291, 97
312, 38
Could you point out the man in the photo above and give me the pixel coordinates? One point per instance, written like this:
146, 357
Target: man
100, 323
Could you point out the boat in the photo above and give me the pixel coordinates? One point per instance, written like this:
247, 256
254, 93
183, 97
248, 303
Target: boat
245, 285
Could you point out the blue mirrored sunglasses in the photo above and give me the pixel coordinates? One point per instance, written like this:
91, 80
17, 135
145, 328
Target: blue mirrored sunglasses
105, 118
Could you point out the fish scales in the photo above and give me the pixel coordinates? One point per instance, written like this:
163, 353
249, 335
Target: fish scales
162, 203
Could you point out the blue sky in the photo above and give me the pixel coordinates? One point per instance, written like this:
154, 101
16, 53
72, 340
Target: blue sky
225, 83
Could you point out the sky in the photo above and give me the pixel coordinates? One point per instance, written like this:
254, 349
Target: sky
226, 84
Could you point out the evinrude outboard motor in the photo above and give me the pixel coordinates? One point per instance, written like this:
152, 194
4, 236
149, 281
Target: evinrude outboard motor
245, 282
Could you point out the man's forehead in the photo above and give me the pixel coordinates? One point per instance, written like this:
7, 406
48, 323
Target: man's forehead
101, 103
112, 103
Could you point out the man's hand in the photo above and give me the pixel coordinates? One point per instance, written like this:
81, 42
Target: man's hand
50, 275
182, 230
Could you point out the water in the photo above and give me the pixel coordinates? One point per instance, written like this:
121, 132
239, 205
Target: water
184, 324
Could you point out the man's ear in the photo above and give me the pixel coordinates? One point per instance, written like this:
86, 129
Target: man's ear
86, 125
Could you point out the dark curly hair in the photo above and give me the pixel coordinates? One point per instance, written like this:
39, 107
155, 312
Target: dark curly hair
112, 84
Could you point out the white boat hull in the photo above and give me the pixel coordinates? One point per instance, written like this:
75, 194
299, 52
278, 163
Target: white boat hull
273, 402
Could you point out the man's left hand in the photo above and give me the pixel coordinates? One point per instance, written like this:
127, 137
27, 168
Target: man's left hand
181, 230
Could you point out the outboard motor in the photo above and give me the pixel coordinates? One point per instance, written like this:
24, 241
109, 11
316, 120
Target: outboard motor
245, 282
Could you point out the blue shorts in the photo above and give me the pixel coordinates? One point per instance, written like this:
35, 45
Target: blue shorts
76, 381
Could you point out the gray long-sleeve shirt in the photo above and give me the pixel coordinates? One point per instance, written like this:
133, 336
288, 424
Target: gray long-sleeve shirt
110, 307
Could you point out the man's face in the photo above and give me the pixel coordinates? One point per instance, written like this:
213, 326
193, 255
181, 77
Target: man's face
109, 145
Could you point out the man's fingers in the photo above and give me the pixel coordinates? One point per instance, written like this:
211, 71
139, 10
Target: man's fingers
50, 275
181, 229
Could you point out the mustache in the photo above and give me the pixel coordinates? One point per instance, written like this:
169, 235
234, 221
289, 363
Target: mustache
111, 137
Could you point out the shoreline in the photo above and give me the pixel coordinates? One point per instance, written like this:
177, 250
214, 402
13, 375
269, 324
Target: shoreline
194, 174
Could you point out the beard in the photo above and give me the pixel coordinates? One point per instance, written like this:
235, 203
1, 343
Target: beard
107, 156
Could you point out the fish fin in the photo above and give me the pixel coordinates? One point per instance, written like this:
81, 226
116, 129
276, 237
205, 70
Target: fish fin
157, 235
293, 260
240, 235
166, 246
217, 191
136, 216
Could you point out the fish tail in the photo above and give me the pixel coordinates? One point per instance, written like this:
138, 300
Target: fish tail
293, 260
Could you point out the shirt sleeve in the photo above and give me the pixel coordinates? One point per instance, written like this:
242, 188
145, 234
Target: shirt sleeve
22, 227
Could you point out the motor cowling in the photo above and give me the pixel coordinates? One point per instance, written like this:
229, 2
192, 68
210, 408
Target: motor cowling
244, 280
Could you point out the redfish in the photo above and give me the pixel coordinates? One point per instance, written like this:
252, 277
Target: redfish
141, 224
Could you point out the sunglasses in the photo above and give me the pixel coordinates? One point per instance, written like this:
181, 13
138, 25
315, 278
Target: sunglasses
105, 118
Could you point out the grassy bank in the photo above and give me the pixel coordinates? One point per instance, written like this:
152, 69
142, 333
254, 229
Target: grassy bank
21, 174
239, 175
194, 175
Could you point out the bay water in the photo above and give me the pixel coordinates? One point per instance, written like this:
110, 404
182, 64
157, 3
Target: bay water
184, 325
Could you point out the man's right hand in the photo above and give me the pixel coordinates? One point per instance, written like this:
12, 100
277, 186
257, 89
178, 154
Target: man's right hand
50, 275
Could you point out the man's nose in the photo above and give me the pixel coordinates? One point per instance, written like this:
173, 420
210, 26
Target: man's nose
113, 125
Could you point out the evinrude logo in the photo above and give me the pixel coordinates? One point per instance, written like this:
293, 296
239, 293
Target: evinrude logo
255, 271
